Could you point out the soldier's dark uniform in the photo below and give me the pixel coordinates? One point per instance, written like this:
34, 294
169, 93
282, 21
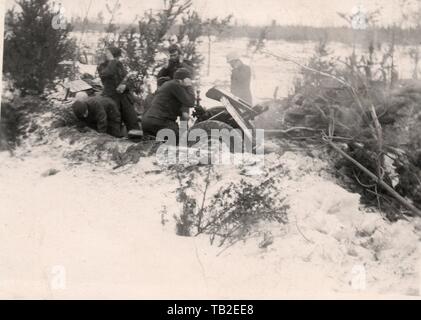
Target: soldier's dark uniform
103, 115
170, 101
112, 73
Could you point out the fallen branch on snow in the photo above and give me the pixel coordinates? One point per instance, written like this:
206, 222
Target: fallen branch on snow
378, 180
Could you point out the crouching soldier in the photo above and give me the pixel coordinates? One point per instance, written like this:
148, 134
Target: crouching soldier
172, 100
99, 113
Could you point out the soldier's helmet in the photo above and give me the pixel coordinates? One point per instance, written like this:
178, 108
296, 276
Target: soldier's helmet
232, 56
182, 73
79, 109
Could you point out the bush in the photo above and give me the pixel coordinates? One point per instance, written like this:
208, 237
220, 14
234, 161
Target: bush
234, 212
360, 102
33, 49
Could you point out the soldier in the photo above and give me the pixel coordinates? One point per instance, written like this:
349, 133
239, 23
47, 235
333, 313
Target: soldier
172, 100
240, 78
175, 62
115, 79
99, 113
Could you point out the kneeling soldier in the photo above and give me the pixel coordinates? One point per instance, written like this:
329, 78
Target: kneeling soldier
172, 100
99, 113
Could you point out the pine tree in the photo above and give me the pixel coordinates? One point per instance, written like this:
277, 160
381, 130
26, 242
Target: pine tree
34, 46
143, 42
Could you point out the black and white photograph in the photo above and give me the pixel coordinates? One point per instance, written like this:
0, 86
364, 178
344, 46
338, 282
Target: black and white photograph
210, 150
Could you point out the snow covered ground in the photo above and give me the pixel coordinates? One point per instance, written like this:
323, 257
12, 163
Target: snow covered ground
89, 231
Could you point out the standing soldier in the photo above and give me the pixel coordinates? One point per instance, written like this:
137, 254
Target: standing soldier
240, 78
175, 62
115, 79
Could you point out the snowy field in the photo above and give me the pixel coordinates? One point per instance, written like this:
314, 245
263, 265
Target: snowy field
102, 230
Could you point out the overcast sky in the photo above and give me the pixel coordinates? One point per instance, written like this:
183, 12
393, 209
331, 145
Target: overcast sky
255, 12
